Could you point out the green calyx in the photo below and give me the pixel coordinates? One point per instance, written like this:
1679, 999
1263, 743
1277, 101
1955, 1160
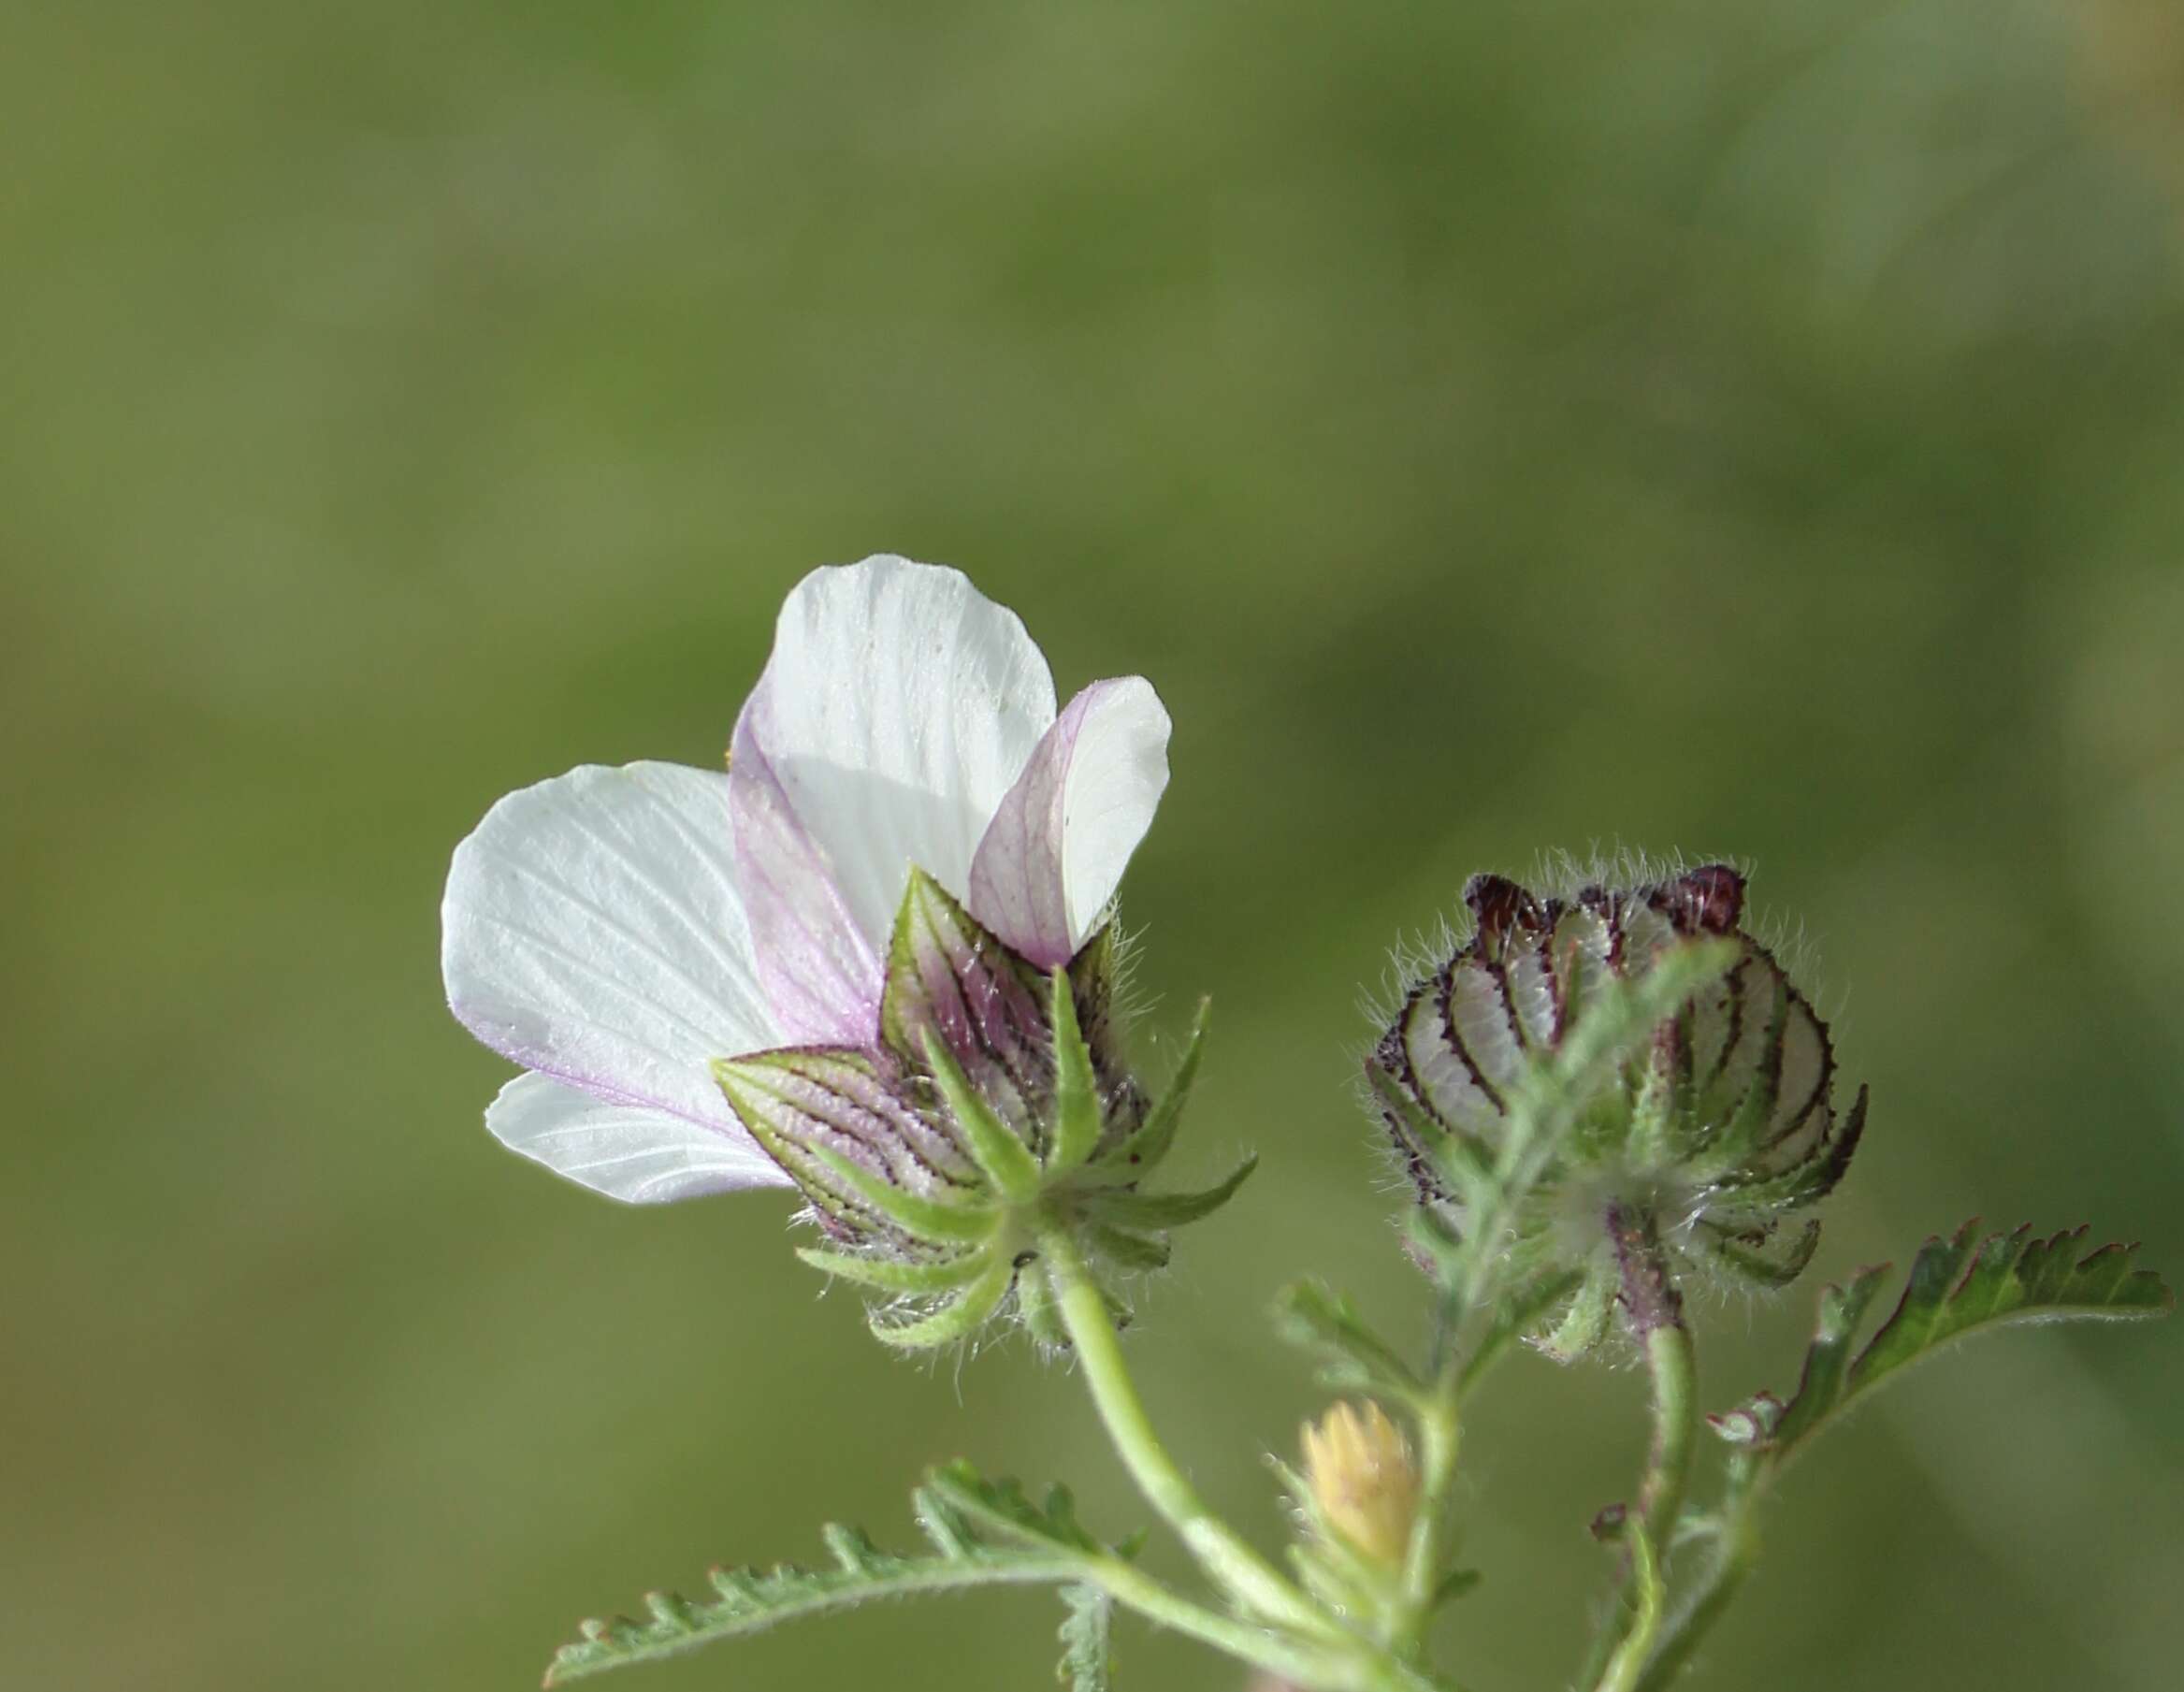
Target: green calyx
1680, 1150
995, 1112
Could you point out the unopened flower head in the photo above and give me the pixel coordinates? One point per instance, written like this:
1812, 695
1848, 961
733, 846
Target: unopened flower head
873, 959
1693, 1147
1363, 1480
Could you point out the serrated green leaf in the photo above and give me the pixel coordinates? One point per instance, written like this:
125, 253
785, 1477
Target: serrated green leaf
1584, 1325
853, 1548
1520, 1313
1435, 1238
1654, 1108
1956, 1287
1087, 1640
951, 1533
748, 1601
1827, 1359
1060, 1507
1000, 1508
1319, 1319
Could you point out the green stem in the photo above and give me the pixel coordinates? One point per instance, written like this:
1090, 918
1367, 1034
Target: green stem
1330, 1657
1300, 1665
1437, 1432
1735, 1551
1234, 1566
1673, 1366
1462, 1354
1628, 1661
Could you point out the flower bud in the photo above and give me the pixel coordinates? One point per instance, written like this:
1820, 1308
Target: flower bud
1695, 1145
1362, 1481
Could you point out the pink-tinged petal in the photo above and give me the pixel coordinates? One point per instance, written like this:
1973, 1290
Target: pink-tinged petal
592, 930
1057, 848
637, 1154
821, 975
900, 704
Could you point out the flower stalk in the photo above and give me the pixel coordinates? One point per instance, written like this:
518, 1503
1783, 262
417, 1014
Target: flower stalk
1654, 1308
1626, 1665
1298, 1664
1671, 1366
1438, 1426
1231, 1563
1736, 1548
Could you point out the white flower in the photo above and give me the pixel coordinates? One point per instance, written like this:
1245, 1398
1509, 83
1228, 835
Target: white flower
615, 930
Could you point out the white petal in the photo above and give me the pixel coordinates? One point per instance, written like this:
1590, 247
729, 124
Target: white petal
592, 930
626, 1151
821, 975
1057, 847
898, 707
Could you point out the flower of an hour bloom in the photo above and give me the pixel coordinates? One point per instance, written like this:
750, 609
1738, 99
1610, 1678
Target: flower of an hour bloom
873, 959
617, 931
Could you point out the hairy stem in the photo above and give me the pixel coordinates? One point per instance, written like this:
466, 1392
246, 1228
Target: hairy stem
1328, 1657
1438, 1429
1735, 1551
1232, 1563
1628, 1664
1673, 1364
1654, 1308
1298, 1664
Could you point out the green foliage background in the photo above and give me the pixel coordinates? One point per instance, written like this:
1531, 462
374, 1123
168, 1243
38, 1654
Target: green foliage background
1752, 428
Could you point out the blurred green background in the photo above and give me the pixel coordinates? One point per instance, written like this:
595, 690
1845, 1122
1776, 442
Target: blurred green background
1748, 428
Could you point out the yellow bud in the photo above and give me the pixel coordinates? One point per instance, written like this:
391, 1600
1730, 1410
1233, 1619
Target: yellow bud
1358, 1465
